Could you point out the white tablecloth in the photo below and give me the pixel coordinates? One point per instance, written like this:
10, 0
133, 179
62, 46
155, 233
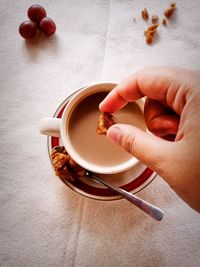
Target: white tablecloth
42, 221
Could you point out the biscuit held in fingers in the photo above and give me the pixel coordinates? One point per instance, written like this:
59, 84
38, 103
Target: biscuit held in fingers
104, 122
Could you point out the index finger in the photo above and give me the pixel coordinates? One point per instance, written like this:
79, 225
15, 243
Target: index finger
159, 83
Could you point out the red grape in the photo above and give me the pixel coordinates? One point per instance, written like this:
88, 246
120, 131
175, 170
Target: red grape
48, 26
28, 29
36, 13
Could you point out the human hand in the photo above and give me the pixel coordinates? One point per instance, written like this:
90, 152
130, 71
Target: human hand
172, 112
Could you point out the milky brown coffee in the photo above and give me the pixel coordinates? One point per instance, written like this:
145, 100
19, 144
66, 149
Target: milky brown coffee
87, 143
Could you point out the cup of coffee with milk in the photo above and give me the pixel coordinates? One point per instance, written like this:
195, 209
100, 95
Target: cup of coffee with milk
77, 129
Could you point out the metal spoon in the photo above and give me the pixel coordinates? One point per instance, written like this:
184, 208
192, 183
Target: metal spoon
148, 208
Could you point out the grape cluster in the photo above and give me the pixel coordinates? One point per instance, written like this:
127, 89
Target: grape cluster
38, 21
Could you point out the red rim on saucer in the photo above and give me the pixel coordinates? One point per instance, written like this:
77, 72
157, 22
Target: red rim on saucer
133, 180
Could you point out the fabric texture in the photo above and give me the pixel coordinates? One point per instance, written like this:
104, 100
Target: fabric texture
42, 221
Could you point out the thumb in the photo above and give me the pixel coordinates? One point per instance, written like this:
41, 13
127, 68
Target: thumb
147, 148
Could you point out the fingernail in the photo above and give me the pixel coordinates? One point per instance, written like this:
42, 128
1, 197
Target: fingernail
114, 134
100, 106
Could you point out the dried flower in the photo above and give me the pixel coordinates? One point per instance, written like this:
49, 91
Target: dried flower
164, 22
150, 32
154, 19
168, 12
145, 14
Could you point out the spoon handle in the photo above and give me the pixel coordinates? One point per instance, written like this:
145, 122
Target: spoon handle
150, 209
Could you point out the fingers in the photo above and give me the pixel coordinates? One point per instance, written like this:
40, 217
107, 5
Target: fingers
158, 83
160, 120
126, 91
149, 149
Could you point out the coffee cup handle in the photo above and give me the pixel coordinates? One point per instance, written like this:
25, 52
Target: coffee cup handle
50, 126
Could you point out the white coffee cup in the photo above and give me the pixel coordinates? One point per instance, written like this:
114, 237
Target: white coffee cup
60, 128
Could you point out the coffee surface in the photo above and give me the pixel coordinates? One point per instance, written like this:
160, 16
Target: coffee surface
87, 143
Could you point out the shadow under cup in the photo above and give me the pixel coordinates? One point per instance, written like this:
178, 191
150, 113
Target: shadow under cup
92, 151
